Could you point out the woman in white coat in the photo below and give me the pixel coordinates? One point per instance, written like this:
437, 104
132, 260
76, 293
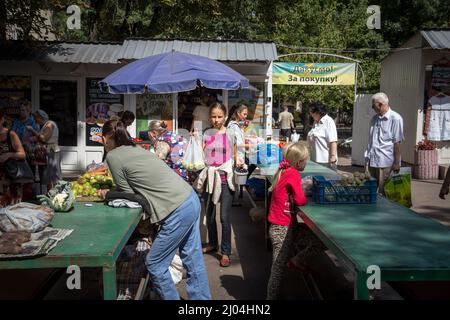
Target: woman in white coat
323, 136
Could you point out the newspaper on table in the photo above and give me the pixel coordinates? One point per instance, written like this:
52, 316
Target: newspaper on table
41, 243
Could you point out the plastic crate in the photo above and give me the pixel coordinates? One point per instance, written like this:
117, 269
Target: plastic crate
331, 192
268, 154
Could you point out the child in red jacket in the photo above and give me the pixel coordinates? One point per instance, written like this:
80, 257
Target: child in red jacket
286, 193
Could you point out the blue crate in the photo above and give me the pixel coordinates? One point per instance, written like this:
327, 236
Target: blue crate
268, 154
330, 192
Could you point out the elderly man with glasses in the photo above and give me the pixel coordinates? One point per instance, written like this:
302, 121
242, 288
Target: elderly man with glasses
385, 136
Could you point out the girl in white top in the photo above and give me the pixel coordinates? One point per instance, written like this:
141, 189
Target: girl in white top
235, 126
323, 136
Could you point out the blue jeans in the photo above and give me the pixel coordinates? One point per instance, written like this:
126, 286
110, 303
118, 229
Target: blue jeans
180, 230
226, 198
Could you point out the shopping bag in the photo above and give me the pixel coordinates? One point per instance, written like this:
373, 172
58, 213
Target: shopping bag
193, 159
398, 187
25, 217
295, 137
176, 269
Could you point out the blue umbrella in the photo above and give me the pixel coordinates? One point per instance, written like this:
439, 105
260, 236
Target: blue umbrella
173, 72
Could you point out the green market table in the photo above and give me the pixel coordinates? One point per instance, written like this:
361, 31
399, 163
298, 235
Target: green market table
100, 233
402, 244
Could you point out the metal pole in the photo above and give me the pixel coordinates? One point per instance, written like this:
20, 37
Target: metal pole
356, 83
175, 112
268, 104
320, 54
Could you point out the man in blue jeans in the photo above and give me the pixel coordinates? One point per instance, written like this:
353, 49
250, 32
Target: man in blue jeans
181, 224
170, 202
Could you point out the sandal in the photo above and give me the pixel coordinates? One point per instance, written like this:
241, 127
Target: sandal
225, 261
209, 249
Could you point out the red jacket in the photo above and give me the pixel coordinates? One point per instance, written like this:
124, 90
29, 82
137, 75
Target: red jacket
290, 183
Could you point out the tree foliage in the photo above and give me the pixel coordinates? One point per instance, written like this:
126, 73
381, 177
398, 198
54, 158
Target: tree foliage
324, 26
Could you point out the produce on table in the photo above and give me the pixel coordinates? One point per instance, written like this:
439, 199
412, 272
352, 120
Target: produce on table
356, 179
97, 178
60, 198
358, 187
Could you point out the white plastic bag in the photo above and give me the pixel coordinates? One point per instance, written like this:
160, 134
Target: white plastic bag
176, 269
193, 159
295, 137
25, 217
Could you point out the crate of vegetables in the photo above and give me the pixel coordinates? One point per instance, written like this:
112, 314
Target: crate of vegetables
356, 189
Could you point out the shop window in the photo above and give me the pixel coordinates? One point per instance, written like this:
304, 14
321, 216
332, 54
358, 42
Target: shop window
153, 107
100, 107
59, 99
437, 101
188, 102
14, 92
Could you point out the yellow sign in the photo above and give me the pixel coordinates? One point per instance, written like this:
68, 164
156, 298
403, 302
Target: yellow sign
314, 74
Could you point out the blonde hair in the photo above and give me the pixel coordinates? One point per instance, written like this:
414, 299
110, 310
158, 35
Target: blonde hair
292, 152
156, 125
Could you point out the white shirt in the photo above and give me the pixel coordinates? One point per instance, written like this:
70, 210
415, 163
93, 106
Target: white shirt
201, 118
53, 140
320, 137
239, 139
384, 132
440, 118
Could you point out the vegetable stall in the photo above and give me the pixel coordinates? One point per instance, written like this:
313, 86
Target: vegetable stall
405, 246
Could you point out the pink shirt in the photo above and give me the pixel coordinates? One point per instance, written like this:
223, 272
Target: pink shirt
217, 151
290, 183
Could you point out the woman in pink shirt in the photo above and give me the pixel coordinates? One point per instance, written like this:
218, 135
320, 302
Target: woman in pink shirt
218, 150
286, 193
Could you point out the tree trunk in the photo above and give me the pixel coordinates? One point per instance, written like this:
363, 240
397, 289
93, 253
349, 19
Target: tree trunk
124, 29
93, 30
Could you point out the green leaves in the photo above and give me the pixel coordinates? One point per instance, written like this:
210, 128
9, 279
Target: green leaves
328, 26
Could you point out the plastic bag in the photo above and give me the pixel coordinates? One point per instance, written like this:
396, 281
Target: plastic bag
60, 198
97, 168
398, 187
193, 159
25, 217
176, 269
295, 137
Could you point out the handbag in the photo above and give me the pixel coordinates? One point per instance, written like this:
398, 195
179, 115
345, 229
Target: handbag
40, 155
18, 171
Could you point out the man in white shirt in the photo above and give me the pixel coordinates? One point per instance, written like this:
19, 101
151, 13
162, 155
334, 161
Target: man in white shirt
201, 115
286, 120
385, 136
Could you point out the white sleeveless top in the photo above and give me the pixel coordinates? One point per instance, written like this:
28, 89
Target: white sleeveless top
53, 141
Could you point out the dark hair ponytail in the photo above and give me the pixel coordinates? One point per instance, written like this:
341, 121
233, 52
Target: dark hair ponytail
230, 114
119, 133
233, 114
